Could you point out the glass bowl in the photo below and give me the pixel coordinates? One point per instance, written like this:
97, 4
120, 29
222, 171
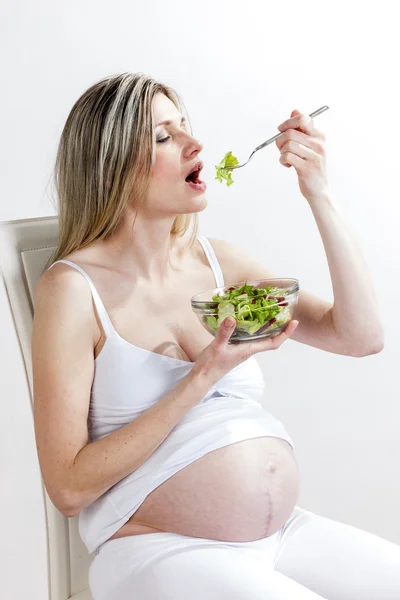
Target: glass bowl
262, 308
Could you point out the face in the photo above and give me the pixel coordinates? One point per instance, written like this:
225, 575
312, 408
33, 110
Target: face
176, 153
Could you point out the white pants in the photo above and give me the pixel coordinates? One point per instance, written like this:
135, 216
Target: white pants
310, 557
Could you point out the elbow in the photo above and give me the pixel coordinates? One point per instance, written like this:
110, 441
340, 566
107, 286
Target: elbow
360, 345
376, 348
357, 344
69, 505
73, 508
69, 512
369, 349
379, 346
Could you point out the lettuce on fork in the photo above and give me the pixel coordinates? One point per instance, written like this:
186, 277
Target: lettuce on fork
222, 172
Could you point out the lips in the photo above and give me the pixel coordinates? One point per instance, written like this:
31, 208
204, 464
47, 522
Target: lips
194, 172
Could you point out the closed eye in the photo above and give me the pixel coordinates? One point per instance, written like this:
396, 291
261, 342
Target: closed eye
165, 139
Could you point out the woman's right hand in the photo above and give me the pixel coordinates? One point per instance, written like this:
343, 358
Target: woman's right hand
219, 357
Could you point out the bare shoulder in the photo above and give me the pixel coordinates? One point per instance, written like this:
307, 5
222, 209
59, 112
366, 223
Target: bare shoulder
61, 282
62, 290
60, 274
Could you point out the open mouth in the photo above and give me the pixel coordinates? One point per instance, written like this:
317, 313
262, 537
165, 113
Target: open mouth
193, 176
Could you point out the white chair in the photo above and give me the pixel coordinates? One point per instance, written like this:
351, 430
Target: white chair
26, 245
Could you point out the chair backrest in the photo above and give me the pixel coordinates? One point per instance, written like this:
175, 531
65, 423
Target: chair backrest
26, 246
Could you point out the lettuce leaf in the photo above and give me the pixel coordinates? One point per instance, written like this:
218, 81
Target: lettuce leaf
222, 172
253, 308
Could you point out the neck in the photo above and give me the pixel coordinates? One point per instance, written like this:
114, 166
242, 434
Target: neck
144, 248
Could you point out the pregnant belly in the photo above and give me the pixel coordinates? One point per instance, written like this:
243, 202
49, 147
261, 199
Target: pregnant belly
239, 493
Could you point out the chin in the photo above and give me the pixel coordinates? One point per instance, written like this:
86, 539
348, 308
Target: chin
195, 205
200, 203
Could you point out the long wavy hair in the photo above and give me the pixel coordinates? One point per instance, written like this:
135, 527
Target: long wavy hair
104, 160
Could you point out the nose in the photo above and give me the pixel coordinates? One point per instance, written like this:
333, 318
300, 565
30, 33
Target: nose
194, 146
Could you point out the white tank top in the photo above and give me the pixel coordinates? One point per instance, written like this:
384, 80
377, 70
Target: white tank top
128, 380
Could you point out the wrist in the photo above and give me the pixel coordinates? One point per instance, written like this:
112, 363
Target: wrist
323, 199
202, 377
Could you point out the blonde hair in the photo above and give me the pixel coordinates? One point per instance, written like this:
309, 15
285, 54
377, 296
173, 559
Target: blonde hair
104, 160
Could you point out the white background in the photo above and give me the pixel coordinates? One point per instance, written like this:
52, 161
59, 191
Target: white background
241, 68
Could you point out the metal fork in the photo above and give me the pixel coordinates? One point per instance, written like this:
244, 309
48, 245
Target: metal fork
314, 114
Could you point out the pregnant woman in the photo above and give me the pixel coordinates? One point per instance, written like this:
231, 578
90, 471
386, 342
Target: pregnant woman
147, 427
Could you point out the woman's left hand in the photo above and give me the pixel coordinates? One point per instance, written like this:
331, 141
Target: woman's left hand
303, 147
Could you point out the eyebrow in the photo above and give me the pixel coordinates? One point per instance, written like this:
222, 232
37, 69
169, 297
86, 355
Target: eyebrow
183, 120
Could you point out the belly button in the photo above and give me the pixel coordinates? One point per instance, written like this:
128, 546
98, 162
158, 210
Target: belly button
271, 467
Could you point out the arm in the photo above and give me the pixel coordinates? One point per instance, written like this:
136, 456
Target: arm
76, 472
338, 328
102, 464
355, 313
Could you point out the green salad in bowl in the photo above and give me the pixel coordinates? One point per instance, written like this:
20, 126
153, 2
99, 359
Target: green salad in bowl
261, 308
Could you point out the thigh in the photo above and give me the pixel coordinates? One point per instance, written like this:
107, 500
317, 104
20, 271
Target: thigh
337, 560
209, 574
172, 567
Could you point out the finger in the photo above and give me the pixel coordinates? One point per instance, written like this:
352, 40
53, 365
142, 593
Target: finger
290, 328
302, 122
275, 342
293, 135
226, 329
284, 335
295, 148
289, 159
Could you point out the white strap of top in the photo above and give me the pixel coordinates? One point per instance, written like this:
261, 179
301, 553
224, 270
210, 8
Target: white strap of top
104, 318
212, 257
